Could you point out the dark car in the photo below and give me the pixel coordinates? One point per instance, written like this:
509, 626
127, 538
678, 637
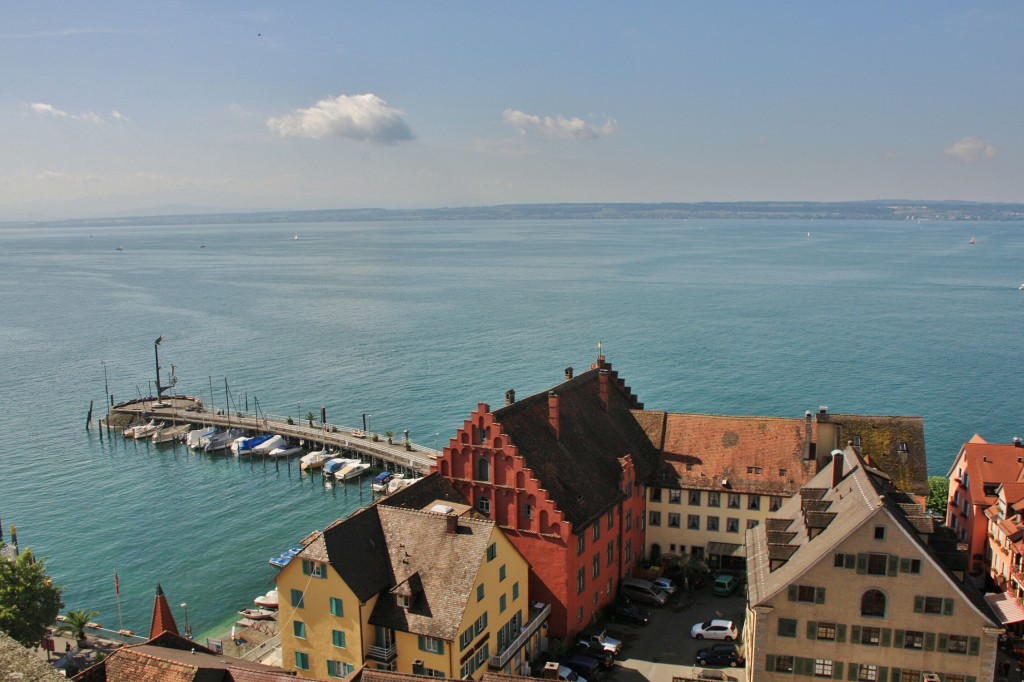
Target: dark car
629, 612
584, 666
720, 654
605, 659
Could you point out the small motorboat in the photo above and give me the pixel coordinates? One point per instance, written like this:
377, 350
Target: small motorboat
171, 433
399, 483
333, 465
146, 430
223, 440
285, 451
353, 470
269, 444
267, 601
381, 480
258, 614
193, 438
247, 444
129, 431
314, 460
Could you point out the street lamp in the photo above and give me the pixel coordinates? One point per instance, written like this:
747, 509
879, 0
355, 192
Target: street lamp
188, 628
368, 429
436, 436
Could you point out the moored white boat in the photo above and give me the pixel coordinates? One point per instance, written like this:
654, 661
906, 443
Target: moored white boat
193, 438
222, 440
169, 433
285, 451
398, 483
258, 614
269, 444
267, 601
381, 480
314, 460
247, 444
129, 431
353, 470
147, 430
333, 465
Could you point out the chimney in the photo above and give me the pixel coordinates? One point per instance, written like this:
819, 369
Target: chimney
602, 387
551, 670
568, 373
808, 434
1016, 442
822, 410
510, 396
599, 363
452, 524
553, 418
837, 467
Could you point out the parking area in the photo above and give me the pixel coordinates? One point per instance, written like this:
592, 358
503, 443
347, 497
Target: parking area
663, 649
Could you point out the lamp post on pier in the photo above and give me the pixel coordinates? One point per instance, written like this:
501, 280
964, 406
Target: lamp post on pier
188, 628
436, 436
368, 430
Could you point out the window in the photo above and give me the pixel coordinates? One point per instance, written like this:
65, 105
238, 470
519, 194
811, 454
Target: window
629, 522
337, 607
753, 470
713, 523
787, 627
312, 568
753, 502
629, 547
481, 624
339, 669
655, 519
676, 496
483, 469
694, 498
673, 520
515, 591
822, 667
610, 553
877, 564
774, 504
581, 580
872, 603
482, 653
302, 660
826, 631
528, 511
596, 565
480, 592
838, 560
912, 639
805, 593
957, 644
752, 523
915, 566
783, 664
338, 638
431, 645
465, 638
714, 499
782, 472
655, 494
299, 629
403, 601
501, 573
903, 446
693, 522
734, 501
933, 605
871, 636
732, 525
867, 672
879, 532
611, 519
856, 441
597, 531
483, 504
909, 676
297, 600
581, 544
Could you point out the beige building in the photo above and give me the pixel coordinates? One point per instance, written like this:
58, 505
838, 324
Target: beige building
842, 584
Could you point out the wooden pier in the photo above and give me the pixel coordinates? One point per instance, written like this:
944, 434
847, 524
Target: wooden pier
182, 410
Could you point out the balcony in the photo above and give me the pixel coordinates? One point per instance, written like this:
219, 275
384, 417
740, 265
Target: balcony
382, 653
538, 618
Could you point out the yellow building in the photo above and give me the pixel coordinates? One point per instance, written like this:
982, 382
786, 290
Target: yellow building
843, 583
413, 584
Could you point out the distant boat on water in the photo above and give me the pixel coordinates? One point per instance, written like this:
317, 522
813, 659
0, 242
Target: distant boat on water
120, 247
296, 238
973, 240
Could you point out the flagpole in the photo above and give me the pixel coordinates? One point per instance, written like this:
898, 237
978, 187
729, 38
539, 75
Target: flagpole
117, 593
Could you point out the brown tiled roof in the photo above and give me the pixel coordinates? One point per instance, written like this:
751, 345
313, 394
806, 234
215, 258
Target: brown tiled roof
700, 450
441, 568
780, 537
357, 551
992, 463
778, 524
880, 438
581, 468
18, 663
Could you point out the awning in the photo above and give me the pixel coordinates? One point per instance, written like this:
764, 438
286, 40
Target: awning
726, 549
1006, 607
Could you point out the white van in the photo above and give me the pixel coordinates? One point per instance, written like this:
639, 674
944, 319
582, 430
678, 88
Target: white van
643, 591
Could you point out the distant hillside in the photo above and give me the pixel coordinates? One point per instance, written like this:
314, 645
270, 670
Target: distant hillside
852, 210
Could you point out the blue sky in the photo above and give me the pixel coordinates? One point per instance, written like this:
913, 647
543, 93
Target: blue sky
124, 107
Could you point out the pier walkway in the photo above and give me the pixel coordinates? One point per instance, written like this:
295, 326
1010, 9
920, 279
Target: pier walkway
182, 410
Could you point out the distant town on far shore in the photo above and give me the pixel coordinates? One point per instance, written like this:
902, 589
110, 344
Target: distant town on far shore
793, 210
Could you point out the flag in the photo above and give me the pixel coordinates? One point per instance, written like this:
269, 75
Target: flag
117, 585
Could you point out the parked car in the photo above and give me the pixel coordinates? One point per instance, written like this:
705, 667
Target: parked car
643, 591
666, 584
714, 629
598, 639
629, 612
720, 654
605, 659
584, 666
566, 674
725, 584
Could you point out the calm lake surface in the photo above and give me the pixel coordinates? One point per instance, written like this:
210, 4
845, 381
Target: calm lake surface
415, 323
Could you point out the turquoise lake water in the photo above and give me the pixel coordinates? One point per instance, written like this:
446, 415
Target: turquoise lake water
415, 323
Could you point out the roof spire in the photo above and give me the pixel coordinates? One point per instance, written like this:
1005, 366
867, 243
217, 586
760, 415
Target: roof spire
163, 620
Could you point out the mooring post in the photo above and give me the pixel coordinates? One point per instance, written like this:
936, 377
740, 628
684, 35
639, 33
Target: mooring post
88, 419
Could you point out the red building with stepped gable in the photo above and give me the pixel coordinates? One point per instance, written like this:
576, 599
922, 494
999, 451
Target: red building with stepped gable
562, 473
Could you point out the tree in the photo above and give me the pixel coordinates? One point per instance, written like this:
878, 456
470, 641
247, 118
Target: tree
29, 601
938, 494
76, 622
310, 417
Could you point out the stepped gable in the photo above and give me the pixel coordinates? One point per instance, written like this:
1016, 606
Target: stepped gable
436, 567
880, 445
701, 450
580, 468
163, 620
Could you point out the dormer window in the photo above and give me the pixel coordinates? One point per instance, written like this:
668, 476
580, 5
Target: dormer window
856, 441
404, 601
903, 446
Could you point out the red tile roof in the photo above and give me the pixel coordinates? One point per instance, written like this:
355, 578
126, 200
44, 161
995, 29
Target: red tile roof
991, 463
163, 620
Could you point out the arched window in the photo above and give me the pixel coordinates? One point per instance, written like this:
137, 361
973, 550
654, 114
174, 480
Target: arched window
483, 470
483, 504
872, 603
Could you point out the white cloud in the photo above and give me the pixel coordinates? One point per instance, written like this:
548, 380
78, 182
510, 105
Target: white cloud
558, 127
366, 118
970, 149
118, 116
41, 108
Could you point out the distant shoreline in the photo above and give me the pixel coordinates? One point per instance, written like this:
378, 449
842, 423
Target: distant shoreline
753, 210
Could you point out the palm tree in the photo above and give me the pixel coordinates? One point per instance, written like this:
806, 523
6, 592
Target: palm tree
75, 622
390, 435
310, 417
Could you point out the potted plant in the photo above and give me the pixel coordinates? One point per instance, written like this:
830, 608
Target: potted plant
390, 435
310, 417
75, 623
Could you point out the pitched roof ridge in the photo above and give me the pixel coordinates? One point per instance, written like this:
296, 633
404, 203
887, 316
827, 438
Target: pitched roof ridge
542, 395
434, 515
744, 417
875, 416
